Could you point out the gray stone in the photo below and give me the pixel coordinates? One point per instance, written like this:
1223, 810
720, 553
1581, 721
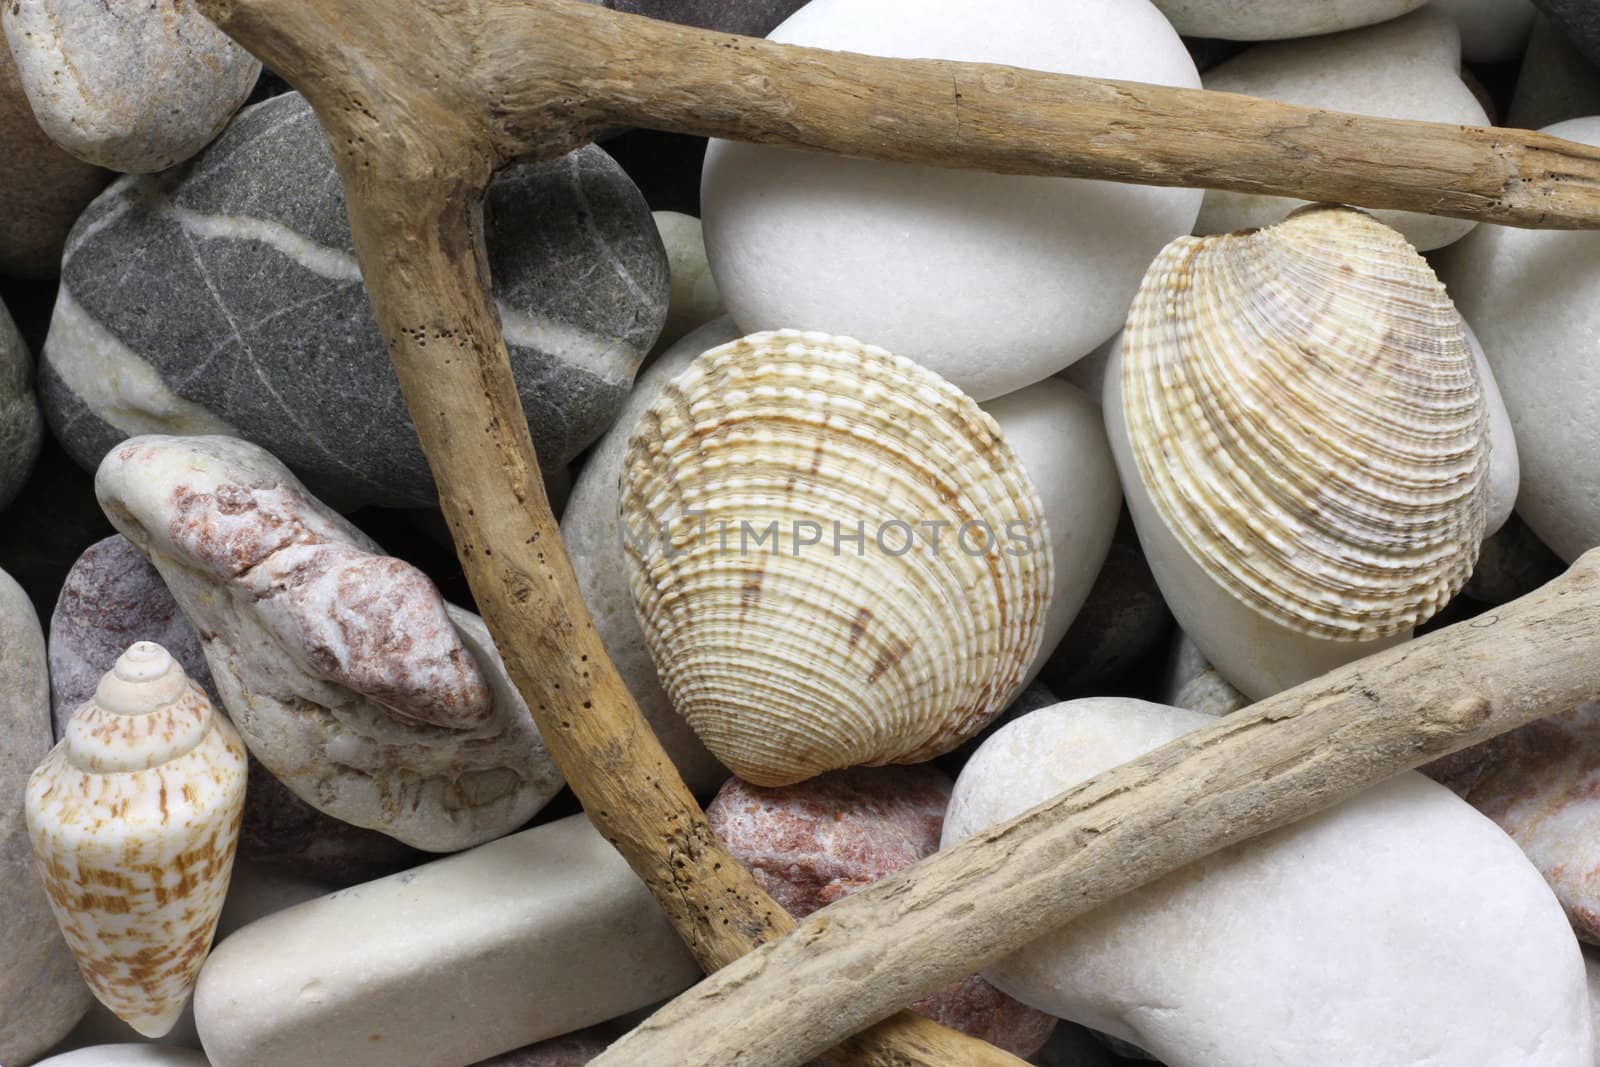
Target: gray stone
129, 1055
1557, 81
152, 80
41, 994
113, 597
752, 18
1511, 563
1192, 682
1579, 20
225, 298
21, 427
1071, 1046
1121, 621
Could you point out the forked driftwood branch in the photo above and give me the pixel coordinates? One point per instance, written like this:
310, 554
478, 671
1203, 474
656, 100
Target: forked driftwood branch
424, 100
1271, 764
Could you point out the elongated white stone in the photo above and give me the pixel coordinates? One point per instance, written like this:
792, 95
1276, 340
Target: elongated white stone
534, 935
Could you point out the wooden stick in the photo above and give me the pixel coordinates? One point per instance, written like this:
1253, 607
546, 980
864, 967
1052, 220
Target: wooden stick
1278, 761
536, 78
415, 167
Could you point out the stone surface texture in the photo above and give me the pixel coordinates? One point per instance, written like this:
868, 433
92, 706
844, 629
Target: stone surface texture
349, 676
131, 85
1271, 20
113, 597
42, 995
1557, 82
42, 188
1405, 69
226, 298
993, 281
21, 426
811, 844
1541, 785
1579, 20
1433, 939
527, 938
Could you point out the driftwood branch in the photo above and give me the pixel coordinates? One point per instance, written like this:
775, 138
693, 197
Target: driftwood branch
1278, 761
536, 78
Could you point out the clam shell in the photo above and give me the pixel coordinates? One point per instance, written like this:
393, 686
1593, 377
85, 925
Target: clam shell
791, 658
1308, 419
134, 818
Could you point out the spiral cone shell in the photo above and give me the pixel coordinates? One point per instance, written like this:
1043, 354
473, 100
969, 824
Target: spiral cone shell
1308, 420
134, 817
791, 651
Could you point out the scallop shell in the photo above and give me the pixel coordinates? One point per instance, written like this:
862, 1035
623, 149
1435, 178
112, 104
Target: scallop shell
1308, 420
791, 658
134, 817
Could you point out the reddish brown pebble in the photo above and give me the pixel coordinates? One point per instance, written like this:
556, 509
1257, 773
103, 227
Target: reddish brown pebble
1541, 785
813, 843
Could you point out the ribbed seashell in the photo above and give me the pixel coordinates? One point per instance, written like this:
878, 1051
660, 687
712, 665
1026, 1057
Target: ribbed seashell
1308, 420
134, 817
790, 648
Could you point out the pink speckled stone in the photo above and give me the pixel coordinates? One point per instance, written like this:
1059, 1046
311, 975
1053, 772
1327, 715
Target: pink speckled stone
568, 1050
1541, 785
813, 843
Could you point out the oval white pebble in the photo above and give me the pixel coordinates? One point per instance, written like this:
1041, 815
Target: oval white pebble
994, 281
1398, 929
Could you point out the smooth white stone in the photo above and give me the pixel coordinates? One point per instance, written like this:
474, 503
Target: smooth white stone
695, 300
1533, 299
994, 281
593, 537
1406, 69
1492, 31
1398, 929
130, 1055
1059, 436
1272, 20
523, 939
1255, 654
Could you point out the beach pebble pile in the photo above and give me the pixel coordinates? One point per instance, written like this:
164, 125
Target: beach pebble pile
204, 450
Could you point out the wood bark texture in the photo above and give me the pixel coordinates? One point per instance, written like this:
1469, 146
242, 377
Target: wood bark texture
416, 161
1268, 765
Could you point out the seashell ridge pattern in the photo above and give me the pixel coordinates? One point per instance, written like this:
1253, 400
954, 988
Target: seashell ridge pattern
134, 819
836, 558
1308, 420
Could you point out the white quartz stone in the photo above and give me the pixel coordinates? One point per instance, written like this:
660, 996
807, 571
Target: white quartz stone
993, 281
1405, 69
1533, 299
1492, 31
522, 939
1270, 20
1059, 436
1398, 929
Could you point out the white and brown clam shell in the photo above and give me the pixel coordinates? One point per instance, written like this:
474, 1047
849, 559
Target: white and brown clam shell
836, 557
